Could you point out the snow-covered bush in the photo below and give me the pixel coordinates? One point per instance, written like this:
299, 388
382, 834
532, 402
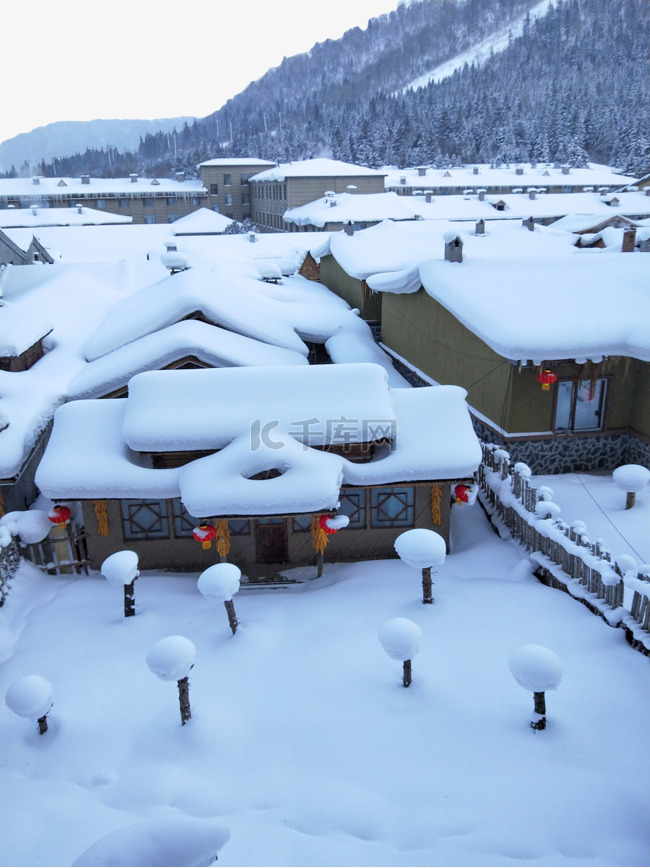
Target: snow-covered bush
171, 659
219, 583
121, 570
30, 525
539, 669
400, 638
31, 697
425, 550
631, 478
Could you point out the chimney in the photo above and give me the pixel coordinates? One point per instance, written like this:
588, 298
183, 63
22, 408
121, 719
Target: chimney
349, 228
532, 192
529, 224
453, 248
629, 237
475, 170
402, 180
519, 170
252, 237
565, 170
481, 195
180, 177
134, 178
36, 181
80, 209
422, 171
170, 244
34, 210
85, 179
480, 227
428, 196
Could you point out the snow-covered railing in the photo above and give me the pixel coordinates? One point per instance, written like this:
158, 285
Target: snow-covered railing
566, 557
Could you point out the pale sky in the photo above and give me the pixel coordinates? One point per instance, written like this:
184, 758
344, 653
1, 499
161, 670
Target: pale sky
64, 60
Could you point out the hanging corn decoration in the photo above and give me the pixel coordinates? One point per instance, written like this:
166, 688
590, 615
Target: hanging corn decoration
101, 514
223, 537
436, 497
318, 535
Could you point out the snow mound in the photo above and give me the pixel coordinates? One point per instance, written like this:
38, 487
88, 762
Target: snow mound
121, 568
400, 638
32, 526
30, 696
535, 668
219, 582
171, 658
421, 548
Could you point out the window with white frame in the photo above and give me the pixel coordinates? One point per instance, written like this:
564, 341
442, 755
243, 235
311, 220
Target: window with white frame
227, 180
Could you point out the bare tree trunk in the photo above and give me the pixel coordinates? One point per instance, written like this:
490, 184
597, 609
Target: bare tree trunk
407, 673
630, 500
426, 585
129, 599
184, 698
319, 565
232, 618
42, 724
539, 720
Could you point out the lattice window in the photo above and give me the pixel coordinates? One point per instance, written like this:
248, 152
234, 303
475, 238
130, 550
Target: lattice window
353, 504
239, 526
301, 523
184, 523
145, 519
392, 507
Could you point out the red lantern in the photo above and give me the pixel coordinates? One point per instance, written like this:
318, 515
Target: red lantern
461, 493
59, 515
323, 523
204, 534
546, 377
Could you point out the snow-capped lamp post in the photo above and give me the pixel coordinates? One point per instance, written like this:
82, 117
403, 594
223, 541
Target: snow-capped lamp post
631, 478
219, 583
121, 570
425, 550
539, 669
400, 639
31, 696
171, 659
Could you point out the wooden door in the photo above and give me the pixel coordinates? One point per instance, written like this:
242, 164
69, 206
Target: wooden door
271, 541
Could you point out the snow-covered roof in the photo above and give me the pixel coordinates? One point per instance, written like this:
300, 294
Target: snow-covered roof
81, 216
528, 295
237, 161
203, 221
48, 187
321, 167
256, 419
238, 300
535, 308
374, 207
541, 175
20, 328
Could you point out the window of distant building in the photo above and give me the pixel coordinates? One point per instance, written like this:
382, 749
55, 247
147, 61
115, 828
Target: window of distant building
227, 180
125, 203
214, 189
171, 200
215, 208
228, 198
100, 203
147, 202
172, 217
243, 179
194, 200
149, 218
245, 197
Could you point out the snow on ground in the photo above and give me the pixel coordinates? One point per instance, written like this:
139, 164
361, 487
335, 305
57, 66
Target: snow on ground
304, 744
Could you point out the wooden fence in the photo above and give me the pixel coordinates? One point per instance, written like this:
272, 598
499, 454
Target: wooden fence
566, 557
66, 554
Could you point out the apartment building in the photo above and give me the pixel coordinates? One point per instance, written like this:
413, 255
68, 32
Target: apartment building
226, 183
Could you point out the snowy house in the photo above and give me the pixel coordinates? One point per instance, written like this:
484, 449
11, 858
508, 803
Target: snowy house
29, 251
260, 454
520, 303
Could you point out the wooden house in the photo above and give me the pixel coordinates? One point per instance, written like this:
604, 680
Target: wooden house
514, 305
260, 454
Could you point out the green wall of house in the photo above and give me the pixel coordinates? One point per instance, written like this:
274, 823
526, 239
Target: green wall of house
351, 289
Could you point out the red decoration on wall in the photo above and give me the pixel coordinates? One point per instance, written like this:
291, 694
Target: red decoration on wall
546, 377
59, 515
204, 534
461, 493
323, 523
